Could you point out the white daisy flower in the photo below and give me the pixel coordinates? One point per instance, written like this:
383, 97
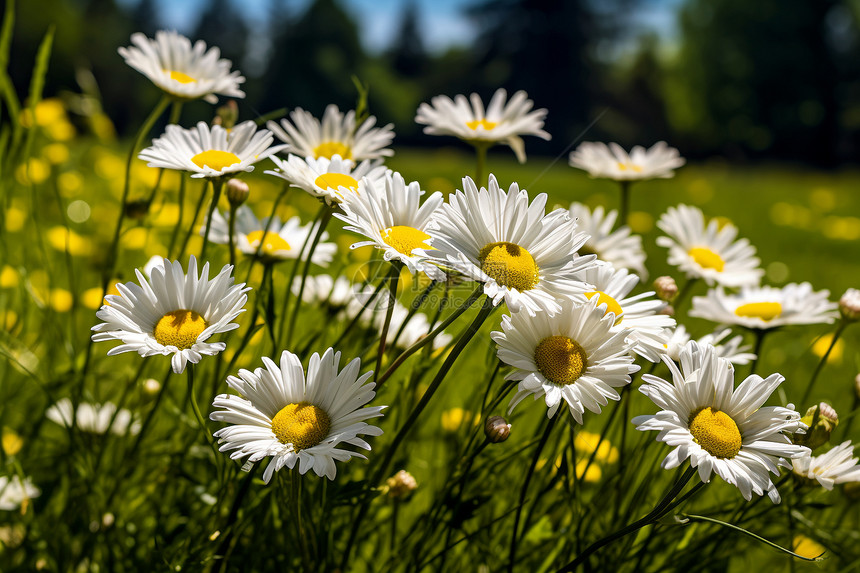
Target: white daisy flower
324, 289
293, 419
172, 313
766, 307
501, 123
92, 418
181, 70
394, 220
280, 243
572, 357
620, 247
14, 492
721, 428
638, 316
711, 252
210, 151
734, 350
612, 162
834, 467
336, 135
522, 255
324, 178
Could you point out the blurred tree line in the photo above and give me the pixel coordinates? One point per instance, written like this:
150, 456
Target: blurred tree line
770, 78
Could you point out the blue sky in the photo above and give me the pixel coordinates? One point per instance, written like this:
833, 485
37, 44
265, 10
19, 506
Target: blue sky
443, 22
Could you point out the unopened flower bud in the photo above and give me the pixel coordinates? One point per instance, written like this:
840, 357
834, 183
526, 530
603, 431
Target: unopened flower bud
857, 386
668, 310
822, 420
227, 115
237, 192
400, 485
496, 429
849, 305
666, 288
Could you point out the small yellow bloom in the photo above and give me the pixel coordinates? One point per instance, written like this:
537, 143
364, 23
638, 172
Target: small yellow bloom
50, 110
61, 131
586, 442
12, 442
592, 474
61, 300
56, 153
9, 319
821, 345
34, 171
135, 238
807, 547
92, 297
8, 277
15, 219
454, 418
61, 238
640, 221
70, 182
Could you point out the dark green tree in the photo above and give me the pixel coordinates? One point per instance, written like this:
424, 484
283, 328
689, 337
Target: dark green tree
407, 52
222, 25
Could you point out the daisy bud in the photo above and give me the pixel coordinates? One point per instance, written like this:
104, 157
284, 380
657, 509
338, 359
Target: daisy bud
227, 115
400, 485
849, 305
857, 386
237, 192
666, 288
496, 429
822, 420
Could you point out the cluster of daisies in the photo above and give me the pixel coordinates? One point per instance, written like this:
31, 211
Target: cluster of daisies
567, 277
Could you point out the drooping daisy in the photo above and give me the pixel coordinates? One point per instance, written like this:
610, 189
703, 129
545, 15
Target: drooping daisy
280, 243
708, 252
501, 123
324, 178
612, 162
834, 467
210, 151
734, 350
181, 70
721, 428
172, 313
571, 357
619, 247
520, 253
14, 492
93, 418
394, 220
639, 315
282, 414
336, 135
766, 307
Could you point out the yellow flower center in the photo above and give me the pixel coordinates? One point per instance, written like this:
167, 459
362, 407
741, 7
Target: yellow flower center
716, 432
335, 181
707, 259
632, 167
272, 242
509, 265
405, 239
611, 304
561, 359
329, 149
303, 425
763, 310
181, 78
215, 159
475, 124
179, 328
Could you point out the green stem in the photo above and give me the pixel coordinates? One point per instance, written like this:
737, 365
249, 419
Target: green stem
181, 202
759, 341
686, 290
217, 185
469, 333
652, 516
512, 551
326, 213
231, 239
266, 227
416, 304
836, 334
126, 187
393, 279
480, 161
624, 208
429, 338
197, 211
